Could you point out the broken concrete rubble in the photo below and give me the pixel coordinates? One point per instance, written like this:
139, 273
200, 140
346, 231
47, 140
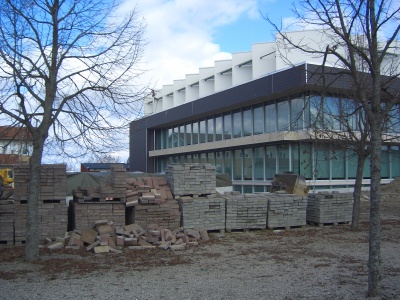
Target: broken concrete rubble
103, 237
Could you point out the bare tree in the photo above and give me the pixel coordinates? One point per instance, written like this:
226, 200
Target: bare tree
69, 71
362, 38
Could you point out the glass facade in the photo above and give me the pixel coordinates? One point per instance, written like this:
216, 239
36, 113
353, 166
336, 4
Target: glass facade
261, 162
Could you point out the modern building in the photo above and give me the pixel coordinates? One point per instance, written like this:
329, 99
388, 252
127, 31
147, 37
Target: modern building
250, 116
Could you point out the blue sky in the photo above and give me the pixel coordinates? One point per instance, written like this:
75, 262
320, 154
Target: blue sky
184, 35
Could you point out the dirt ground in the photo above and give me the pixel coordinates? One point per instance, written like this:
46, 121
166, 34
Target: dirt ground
328, 262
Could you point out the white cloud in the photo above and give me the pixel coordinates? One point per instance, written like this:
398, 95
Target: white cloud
180, 33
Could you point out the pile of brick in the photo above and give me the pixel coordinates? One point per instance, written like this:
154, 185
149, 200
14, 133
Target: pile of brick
114, 190
105, 237
286, 210
52, 208
326, 208
7, 221
191, 179
147, 190
246, 211
203, 212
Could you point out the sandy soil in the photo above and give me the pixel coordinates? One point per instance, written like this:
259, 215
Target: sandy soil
313, 262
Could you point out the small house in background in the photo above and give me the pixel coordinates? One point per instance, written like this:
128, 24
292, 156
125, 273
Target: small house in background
100, 167
16, 145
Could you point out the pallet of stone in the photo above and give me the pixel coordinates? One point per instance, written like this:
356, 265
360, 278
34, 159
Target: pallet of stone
203, 212
165, 214
98, 194
7, 210
86, 214
329, 208
286, 211
246, 211
191, 179
150, 190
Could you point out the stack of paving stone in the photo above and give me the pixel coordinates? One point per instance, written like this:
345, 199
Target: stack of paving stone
7, 209
203, 212
84, 215
246, 211
325, 208
52, 208
165, 214
286, 210
191, 179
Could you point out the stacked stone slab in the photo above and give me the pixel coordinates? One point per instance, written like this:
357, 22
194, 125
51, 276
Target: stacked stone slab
326, 208
246, 211
165, 214
84, 215
7, 210
203, 212
286, 210
52, 208
191, 179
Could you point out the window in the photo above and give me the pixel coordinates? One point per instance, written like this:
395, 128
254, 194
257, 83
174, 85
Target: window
270, 162
258, 119
188, 138
210, 129
248, 164
237, 169
195, 133
247, 122
283, 115
284, 158
182, 135
296, 114
218, 128
227, 126
228, 163
270, 118
237, 124
202, 131
259, 163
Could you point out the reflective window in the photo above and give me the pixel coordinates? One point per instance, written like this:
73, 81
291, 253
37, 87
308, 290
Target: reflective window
218, 128
258, 119
182, 135
270, 118
385, 162
331, 113
158, 137
350, 115
218, 161
202, 131
351, 164
195, 133
203, 158
296, 113
228, 163
248, 164
322, 162
188, 139
270, 162
175, 137
195, 158
189, 158
210, 129
247, 122
283, 115
227, 126
259, 163
237, 124
338, 164
170, 139
284, 158
211, 158
237, 163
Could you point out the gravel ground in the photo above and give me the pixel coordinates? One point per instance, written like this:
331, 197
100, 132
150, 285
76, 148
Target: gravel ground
312, 262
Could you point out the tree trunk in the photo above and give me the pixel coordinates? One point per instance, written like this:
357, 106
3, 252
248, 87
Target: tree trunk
374, 259
355, 222
32, 219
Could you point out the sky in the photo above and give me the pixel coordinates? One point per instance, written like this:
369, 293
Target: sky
184, 35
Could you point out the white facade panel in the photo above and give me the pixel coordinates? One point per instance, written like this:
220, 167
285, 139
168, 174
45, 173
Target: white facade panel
242, 70
179, 92
192, 87
206, 81
264, 61
223, 74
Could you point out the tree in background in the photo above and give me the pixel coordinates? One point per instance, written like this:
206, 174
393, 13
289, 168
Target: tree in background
362, 40
68, 72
